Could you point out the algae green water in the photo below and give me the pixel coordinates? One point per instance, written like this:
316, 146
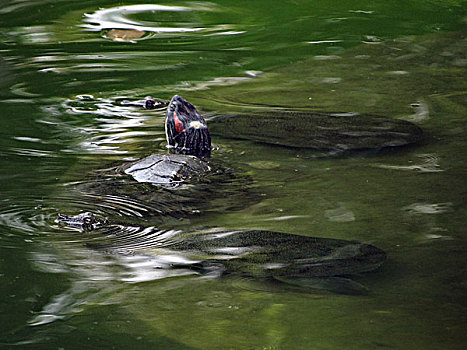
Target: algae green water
64, 67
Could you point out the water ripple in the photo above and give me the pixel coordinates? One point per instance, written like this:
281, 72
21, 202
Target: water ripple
25, 218
134, 22
429, 208
103, 126
117, 17
429, 164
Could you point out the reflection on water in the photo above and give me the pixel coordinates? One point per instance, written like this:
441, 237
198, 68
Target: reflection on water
119, 17
122, 23
425, 208
421, 114
341, 214
113, 124
429, 164
94, 276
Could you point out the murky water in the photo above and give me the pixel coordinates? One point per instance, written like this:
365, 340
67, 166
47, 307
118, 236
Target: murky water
65, 67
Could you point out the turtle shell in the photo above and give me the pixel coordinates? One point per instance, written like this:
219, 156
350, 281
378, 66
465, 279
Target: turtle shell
162, 169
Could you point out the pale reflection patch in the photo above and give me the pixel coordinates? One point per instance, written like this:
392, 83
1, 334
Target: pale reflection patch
340, 214
428, 208
429, 163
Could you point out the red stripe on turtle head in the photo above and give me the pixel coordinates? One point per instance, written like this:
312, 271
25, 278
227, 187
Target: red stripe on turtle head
178, 123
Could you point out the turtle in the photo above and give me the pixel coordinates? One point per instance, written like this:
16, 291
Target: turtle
331, 133
86, 221
311, 264
187, 135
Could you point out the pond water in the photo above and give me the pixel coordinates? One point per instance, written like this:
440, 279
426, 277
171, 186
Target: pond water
66, 65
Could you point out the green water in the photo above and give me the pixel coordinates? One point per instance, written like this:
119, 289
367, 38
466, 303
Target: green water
60, 75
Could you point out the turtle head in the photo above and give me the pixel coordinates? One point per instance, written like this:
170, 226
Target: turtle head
186, 129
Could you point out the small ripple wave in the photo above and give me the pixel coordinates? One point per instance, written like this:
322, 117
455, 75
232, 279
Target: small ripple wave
102, 126
136, 22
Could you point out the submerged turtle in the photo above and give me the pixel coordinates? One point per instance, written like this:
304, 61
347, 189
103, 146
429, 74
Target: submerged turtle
307, 263
331, 133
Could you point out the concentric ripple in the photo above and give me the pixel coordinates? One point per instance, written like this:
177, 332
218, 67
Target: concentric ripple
28, 216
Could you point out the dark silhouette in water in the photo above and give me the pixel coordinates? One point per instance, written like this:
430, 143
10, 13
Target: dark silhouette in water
305, 262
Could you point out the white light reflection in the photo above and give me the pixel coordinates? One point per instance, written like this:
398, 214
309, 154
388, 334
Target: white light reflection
117, 18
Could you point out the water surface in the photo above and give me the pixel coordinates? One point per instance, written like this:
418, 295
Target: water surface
65, 67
